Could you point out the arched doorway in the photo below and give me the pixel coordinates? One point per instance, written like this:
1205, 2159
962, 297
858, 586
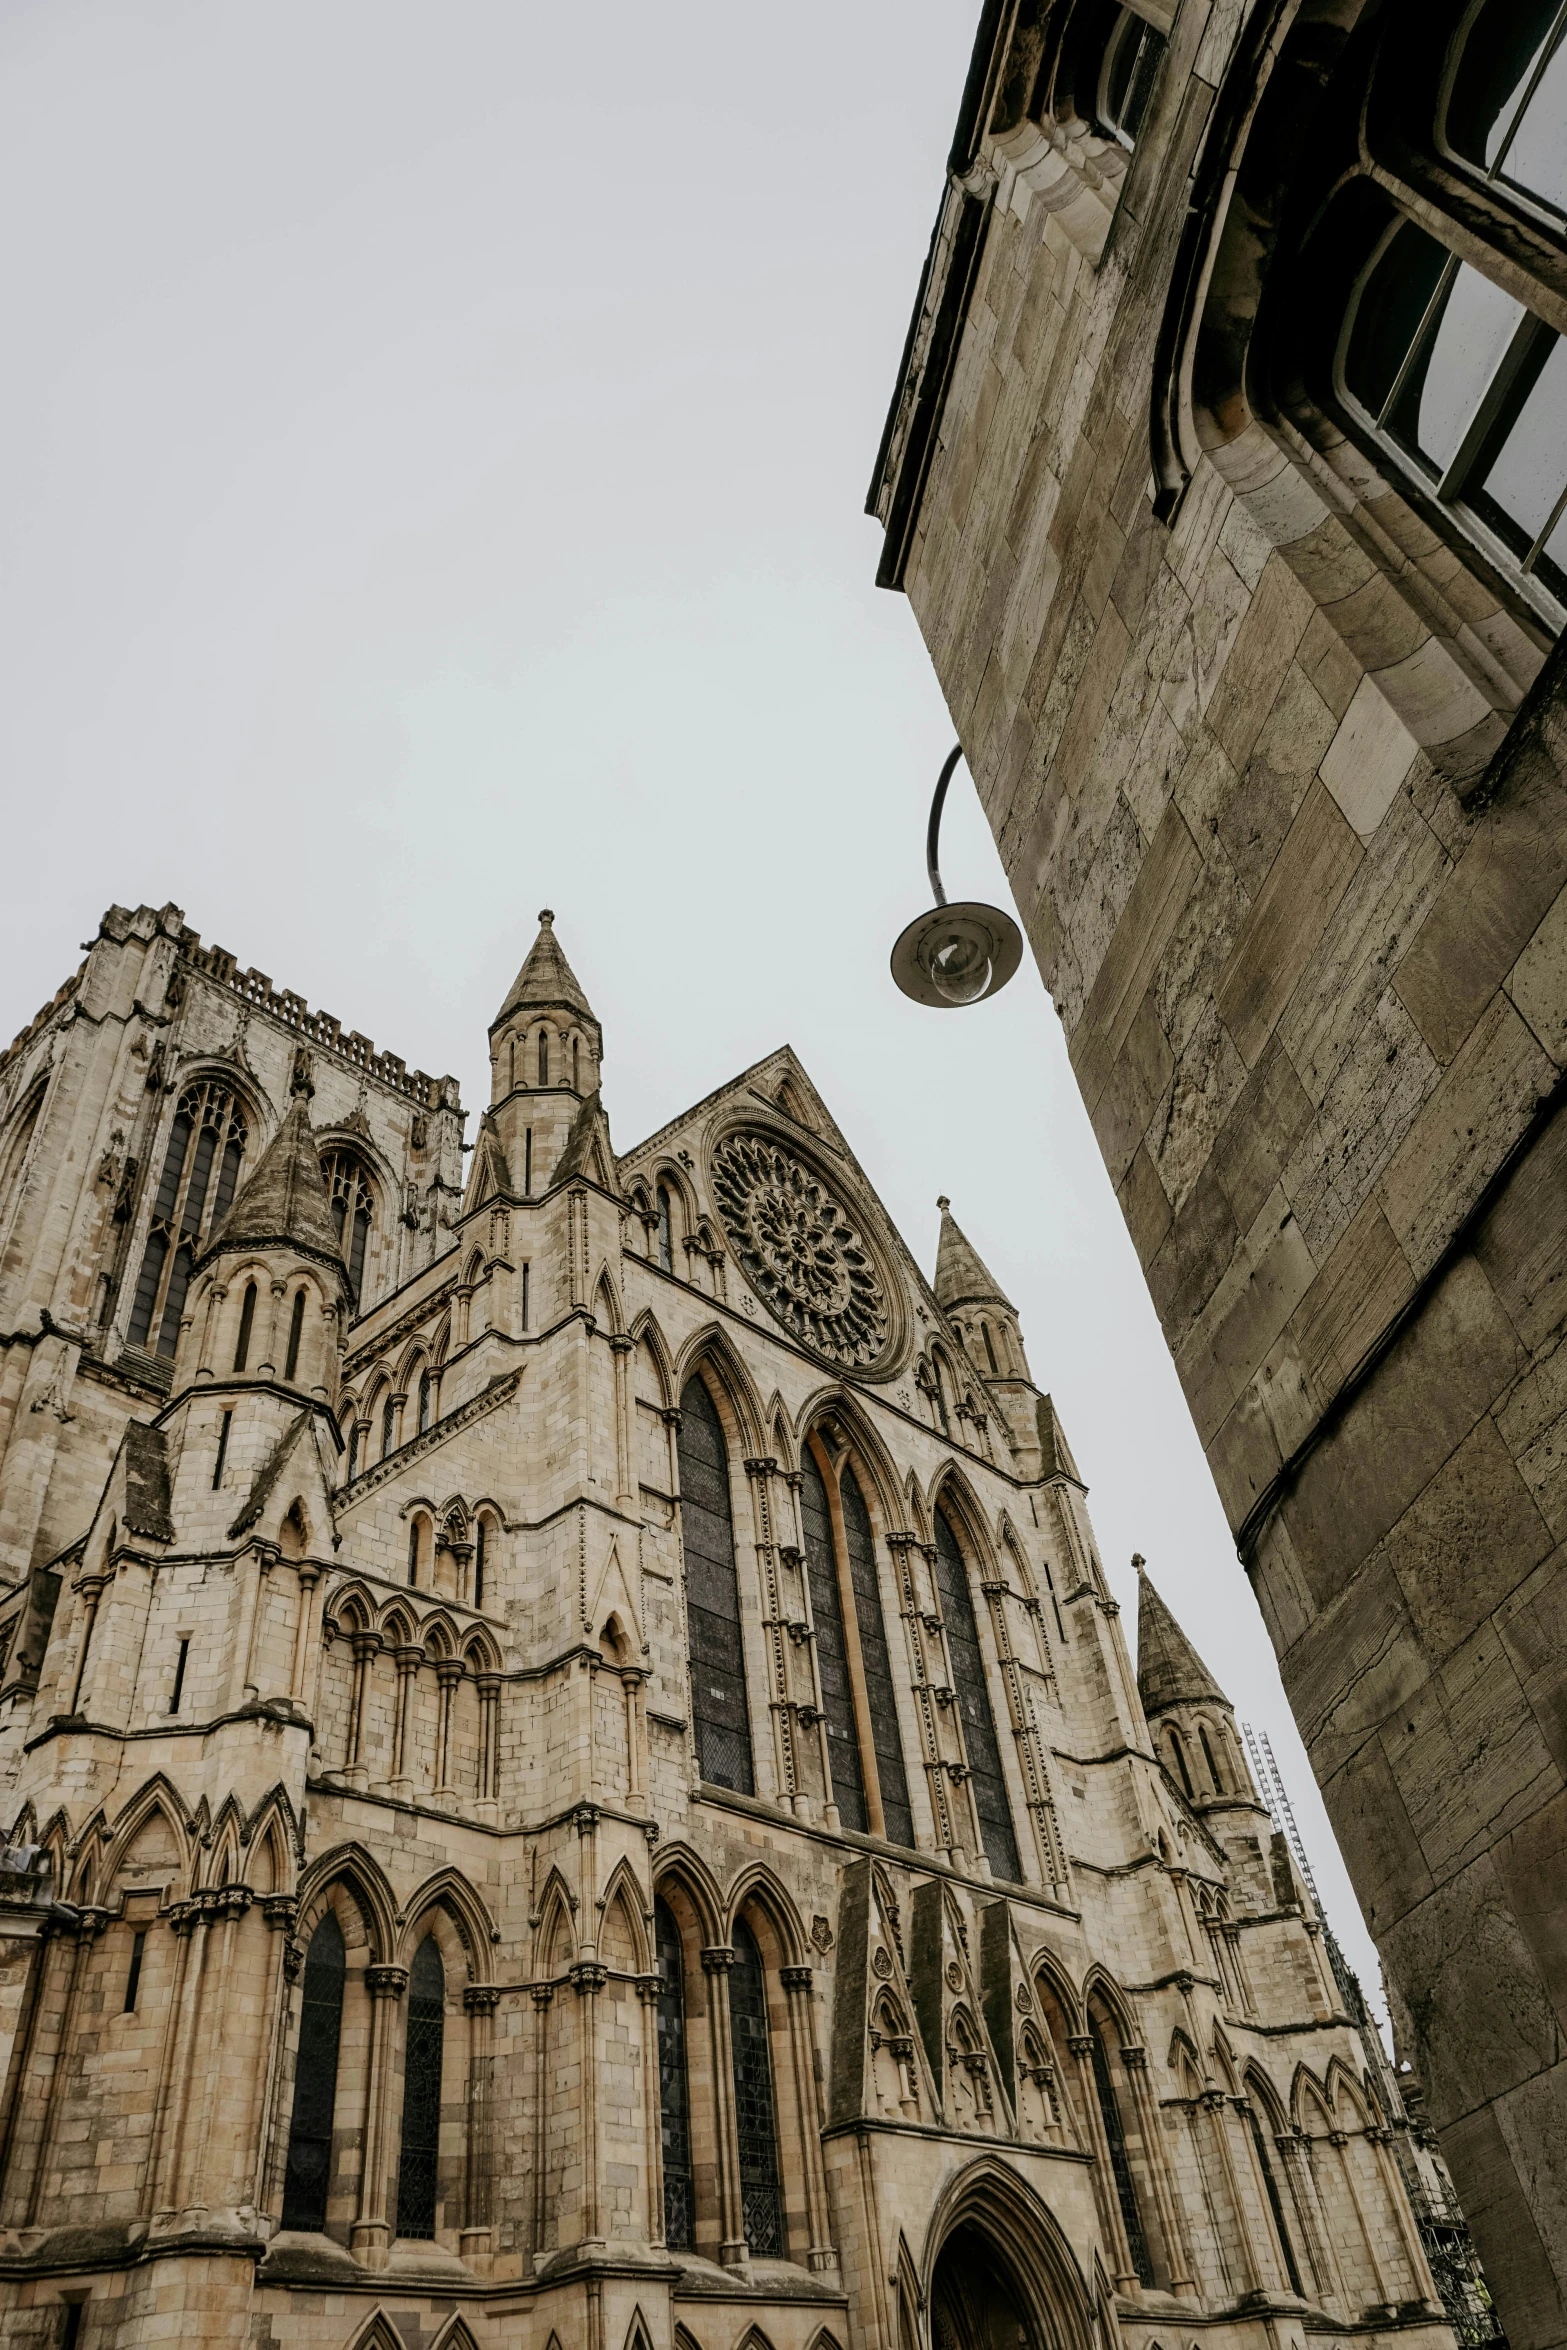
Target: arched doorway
975, 2303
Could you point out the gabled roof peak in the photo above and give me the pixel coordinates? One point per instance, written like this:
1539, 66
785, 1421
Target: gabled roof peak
546, 978
961, 1277
1169, 1670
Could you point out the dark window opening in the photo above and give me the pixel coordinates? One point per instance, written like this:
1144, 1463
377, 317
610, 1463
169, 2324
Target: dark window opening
544, 1056
979, 1727
425, 1391
1207, 1756
478, 1562
527, 1163
990, 1352
525, 1296
309, 2171
1177, 1748
761, 2199
224, 1425
674, 2103
247, 1321
179, 1677
875, 1662
187, 1209
1507, 99
413, 1553
1275, 2203
296, 1331
1120, 2163
417, 2175
133, 1972
1132, 55
832, 1653
353, 1211
719, 1712
388, 1424
666, 1231
71, 2331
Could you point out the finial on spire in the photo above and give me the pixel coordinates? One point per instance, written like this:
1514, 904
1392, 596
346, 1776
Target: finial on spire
546, 979
546, 916
943, 1203
1139, 1562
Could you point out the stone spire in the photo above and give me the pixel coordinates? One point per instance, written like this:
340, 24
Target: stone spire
1169, 1670
961, 1279
284, 1204
546, 981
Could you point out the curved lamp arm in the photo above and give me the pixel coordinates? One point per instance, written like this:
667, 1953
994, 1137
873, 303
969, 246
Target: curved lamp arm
933, 829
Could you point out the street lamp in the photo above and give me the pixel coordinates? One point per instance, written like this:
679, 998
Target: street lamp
954, 955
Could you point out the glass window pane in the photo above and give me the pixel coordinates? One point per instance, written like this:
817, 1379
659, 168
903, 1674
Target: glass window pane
1448, 381
1501, 56
1525, 478
832, 1650
1388, 312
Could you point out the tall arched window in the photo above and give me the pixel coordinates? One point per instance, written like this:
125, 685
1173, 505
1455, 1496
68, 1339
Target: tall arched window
418, 2169
353, 1211
426, 1391
1207, 1756
1178, 1749
1120, 2160
388, 1425
1129, 61
666, 1231
296, 1331
247, 1323
719, 1712
832, 1655
481, 1534
674, 2099
1271, 2190
309, 2173
544, 1056
973, 1695
761, 2199
18, 1141
195, 1190
875, 1662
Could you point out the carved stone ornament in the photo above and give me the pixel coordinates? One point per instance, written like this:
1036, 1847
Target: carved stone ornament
882, 1964
821, 1934
954, 1975
799, 1250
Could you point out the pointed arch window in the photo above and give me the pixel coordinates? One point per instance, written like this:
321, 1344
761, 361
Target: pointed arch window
418, 2170
388, 1425
201, 1165
1275, 2199
761, 2199
832, 1652
309, 2171
247, 1323
426, 1390
666, 1231
973, 1694
296, 1331
1207, 1756
1178, 1749
544, 1056
674, 2097
875, 1661
1120, 2160
990, 1349
353, 1210
719, 1712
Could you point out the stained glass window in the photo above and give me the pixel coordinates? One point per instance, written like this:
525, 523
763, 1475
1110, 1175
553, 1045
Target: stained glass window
718, 1700
761, 2199
832, 1660
315, 2080
673, 2095
353, 1210
416, 2177
875, 1661
979, 1727
195, 1190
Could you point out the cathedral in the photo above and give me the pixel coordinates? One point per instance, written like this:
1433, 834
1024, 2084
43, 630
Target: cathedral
572, 1779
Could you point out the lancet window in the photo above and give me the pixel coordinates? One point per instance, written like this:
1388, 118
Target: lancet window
1129, 63
418, 2170
832, 1655
869, 1786
309, 2171
1120, 2159
353, 1210
718, 1695
761, 2197
973, 1696
875, 1662
201, 1163
674, 2096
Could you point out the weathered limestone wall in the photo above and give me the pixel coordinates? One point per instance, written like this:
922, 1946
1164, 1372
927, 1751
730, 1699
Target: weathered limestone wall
1292, 867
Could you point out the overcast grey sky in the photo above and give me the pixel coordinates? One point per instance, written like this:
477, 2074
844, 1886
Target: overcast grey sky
435, 441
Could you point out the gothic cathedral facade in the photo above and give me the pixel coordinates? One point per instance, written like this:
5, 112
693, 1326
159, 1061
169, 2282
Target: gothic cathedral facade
571, 1775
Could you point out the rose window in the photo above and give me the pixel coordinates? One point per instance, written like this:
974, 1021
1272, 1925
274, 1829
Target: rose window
799, 1251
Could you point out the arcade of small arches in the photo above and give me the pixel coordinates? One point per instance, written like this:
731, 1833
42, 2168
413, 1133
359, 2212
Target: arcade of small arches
551, 1053
409, 1702
1202, 1757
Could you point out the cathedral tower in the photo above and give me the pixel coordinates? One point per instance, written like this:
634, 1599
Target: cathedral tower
546, 1050
986, 1320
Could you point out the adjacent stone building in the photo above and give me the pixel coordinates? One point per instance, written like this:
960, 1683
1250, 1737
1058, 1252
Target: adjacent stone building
572, 1779
1225, 476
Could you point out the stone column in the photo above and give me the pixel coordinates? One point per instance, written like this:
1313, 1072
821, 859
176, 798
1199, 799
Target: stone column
716, 1963
280, 1911
796, 1984
1216, 2105
588, 1980
91, 1589
408, 1659
625, 1452
309, 1582
75, 1942
448, 1673
543, 1999
480, 2000
191, 1924
489, 1685
223, 1907
648, 1988
371, 2235
366, 1647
